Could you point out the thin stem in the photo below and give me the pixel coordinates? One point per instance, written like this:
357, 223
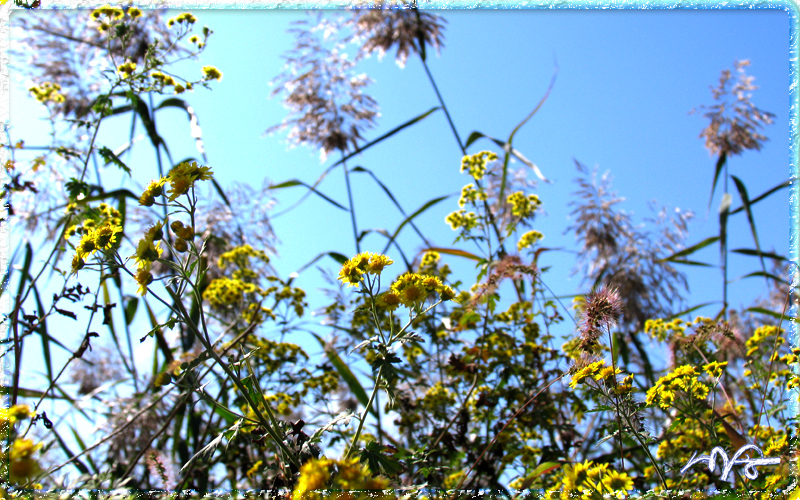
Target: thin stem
350, 201
364, 414
614, 398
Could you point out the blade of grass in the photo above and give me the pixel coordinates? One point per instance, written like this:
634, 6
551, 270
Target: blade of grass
746, 204
295, 182
411, 217
387, 135
344, 371
764, 195
692, 249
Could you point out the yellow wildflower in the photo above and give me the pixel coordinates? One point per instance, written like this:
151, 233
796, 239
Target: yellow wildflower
212, 73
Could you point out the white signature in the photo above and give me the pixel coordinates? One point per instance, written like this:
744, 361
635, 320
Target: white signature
750, 464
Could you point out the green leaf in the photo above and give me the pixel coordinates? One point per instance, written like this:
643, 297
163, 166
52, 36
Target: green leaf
691, 263
774, 314
295, 182
760, 273
346, 374
692, 309
717, 170
456, 252
82, 445
110, 157
339, 258
80, 465
756, 253
378, 461
506, 148
746, 204
764, 195
692, 249
30, 393
131, 305
391, 197
501, 192
387, 135
408, 219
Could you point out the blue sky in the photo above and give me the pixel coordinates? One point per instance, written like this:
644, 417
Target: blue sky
626, 83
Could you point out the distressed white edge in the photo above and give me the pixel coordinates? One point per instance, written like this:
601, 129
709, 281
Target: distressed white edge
791, 6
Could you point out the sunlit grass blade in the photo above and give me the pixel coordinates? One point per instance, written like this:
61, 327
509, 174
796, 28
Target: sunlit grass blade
717, 170
411, 217
295, 182
692, 249
391, 197
746, 204
387, 135
692, 309
345, 372
756, 253
77, 462
506, 157
773, 314
760, 274
82, 446
763, 195
456, 252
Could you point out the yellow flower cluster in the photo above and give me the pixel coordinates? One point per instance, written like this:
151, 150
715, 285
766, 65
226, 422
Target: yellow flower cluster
47, 92
528, 239
99, 232
715, 368
412, 289
211, 73
590, 481
186, 18
762, 335
438, 397
147, 252
590, 370
683, 379
523, 206
339, 480
429, 259
471, 195
16, 461
240, 256
462, 218
109, 12
475, 164
126, 69
10, 416
364, 263
181, 179
21, 464
660, 330
224, 292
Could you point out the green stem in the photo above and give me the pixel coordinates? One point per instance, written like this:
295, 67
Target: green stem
237, 382
365, 413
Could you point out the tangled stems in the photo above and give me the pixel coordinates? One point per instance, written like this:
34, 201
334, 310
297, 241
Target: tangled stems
268, 424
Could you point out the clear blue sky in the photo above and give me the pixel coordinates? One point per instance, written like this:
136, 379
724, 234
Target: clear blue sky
626, 83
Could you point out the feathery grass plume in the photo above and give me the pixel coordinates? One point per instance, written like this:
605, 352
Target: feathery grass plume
625, 257
61, 47
510, 266
384, 25
327, 106
735, 120
160, 467
602, 309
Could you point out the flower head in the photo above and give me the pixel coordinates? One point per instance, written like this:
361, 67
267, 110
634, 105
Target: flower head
212, 73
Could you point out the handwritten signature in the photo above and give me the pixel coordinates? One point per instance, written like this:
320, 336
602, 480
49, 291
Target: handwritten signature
750, 464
